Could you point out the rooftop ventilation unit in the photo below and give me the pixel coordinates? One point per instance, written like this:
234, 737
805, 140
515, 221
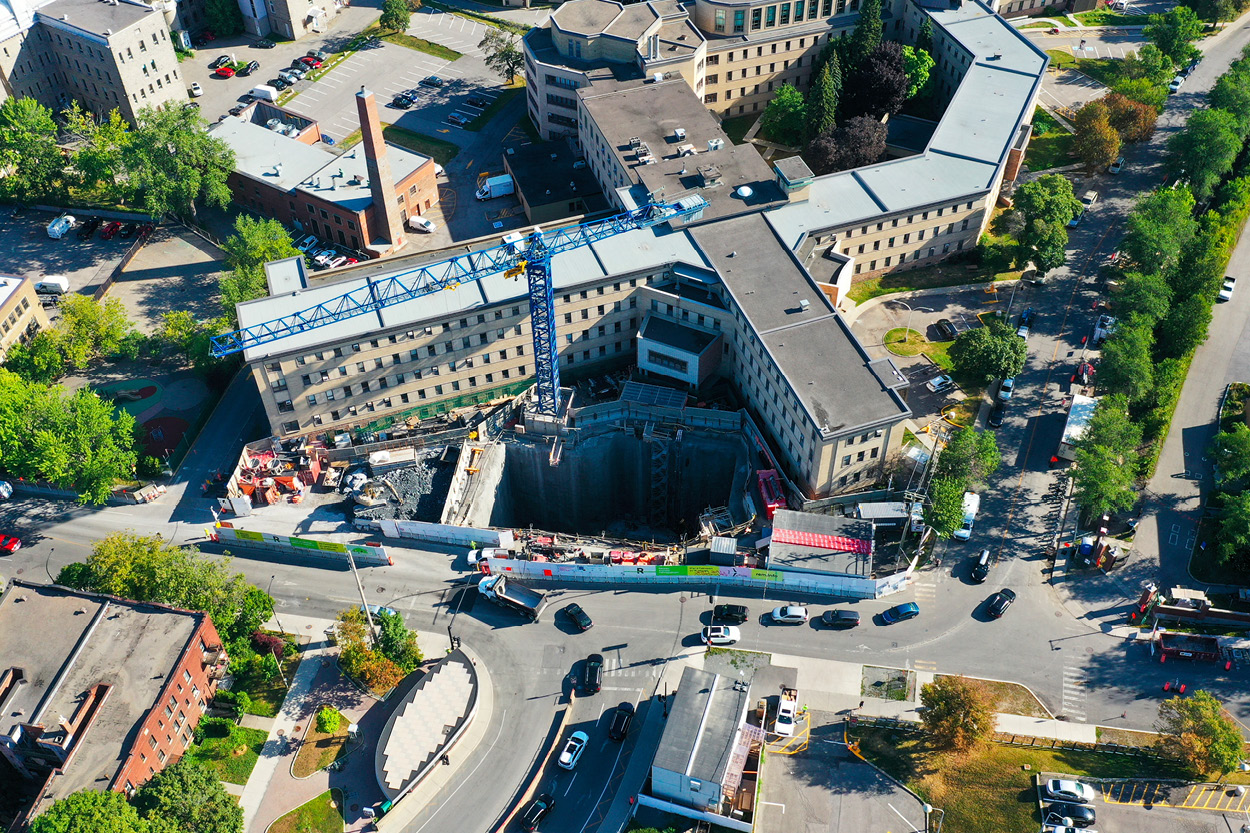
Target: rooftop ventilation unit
715, 144
658, 77
804, 305
745, 192
680, 133
634, 141
710, 174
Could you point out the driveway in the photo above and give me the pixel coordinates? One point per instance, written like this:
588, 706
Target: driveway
30, 253
175, 270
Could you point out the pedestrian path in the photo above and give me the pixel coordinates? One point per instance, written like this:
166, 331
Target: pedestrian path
1074, 692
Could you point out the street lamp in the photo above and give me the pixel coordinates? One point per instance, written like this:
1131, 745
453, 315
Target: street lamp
907, 326
269, 593
928, 810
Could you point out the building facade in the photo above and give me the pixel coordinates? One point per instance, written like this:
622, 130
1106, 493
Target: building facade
21, 314
292, 19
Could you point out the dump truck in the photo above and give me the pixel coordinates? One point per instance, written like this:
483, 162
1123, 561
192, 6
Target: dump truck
505, 592
787, 712
1188, 646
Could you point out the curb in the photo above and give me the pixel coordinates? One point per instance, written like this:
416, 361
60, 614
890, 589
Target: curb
304, 738
538, 773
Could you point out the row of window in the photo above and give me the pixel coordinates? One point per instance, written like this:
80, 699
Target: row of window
902, 258
876, 244
766, 17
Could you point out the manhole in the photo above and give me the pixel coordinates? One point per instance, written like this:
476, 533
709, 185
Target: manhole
682, 599
1058, 614
381, 590
1089, 650
355, 808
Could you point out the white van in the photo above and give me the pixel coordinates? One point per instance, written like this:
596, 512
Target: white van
52, 285
266, 92
59, 227
972, 502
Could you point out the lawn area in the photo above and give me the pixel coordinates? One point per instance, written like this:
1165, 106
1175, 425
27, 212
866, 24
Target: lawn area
322, 814
1042, 25
1051, 145
925, 278
1013, 698
320, 749
440, 151
737, 127
1106, 17
231, 757
501, 101
267, 695
1106, 70
904, 342
402, 39
988, 790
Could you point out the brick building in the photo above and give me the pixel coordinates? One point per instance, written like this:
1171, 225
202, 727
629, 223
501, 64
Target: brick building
98, 693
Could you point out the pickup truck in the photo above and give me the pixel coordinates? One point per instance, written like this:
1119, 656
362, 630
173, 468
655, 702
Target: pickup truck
787, 712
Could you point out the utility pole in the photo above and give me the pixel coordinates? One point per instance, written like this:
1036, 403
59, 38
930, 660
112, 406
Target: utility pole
364, 604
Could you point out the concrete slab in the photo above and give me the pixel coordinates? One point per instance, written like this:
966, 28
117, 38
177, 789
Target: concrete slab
1042, 728
176, 269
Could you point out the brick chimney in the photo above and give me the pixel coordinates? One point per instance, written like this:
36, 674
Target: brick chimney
381, 184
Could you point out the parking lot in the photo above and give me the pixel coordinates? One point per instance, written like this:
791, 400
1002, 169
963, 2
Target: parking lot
176, 269
1154, 807
1067, 89
30, 253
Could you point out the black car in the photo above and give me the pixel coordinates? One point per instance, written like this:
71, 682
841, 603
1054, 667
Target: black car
840, 618
279, 84
251, 67
476, 101
730, 613
592, 674
536, 811
219, 61
981, 570
88, 228
1082, 815
621, 718
947, 328
128, 231
577, 616
431, 81
238, 108
999, 602
995, 419
264, 44
403, 102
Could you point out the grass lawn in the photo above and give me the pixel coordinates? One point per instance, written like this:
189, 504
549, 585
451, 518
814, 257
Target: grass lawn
737, 127
1042, 25
267, 695
495, 106
1012, 698
402, 39
1106, 17
925, 278
230, 758
440, 151
323, 814
1051, 145
320, 749
1106, 70
902, 342
988, 790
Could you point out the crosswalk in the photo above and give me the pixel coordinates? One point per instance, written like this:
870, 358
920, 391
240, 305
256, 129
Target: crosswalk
926, 591
1074, 692
613, 667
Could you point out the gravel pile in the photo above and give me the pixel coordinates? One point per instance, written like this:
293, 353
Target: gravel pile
422, 487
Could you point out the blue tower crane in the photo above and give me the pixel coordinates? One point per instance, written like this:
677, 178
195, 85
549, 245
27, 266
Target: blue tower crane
533, 258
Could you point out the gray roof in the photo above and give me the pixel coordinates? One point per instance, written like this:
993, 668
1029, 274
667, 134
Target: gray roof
544, 173
698, 738
791, 556
586, 17
66, 642
908, 132
793, 168
94, 16
676, 335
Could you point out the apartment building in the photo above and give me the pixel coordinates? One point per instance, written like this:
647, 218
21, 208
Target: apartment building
21, 314
291, 19
98, 693
105, 54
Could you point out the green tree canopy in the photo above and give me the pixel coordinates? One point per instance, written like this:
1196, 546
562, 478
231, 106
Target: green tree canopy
90, 329
1145, 294
785, 117
924, 37
867, 35
1105, 458
1127, 365
917, 63
970, 458
1142, 90
1231, 450
90, 811
502, 54
1174, 33
1183, 328
1160, 226
38, 360
224, 17
1149, 63
1112, 428
945, 510
186, 796
97, 166
1043, 208
990, 352
28, 150
1097, 143
397, 642
396, 15
254, 243
1200, 733
1134, 121
958, 712
1205, 150
1232, 538
1232, 93
822, 98
173, 162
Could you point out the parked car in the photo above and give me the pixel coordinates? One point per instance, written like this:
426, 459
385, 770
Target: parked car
337, 262
279, 84
128, 231
108, 232
422, 224
536, 811
940, 383
224, 72
947, 328
431, 81
307, 243
995, 419
10, 544
298, 71
1116, 166
378, 610
457, 118
621, 718
1068, 790
981, 570
720, 635
1226, 291
592, 674
1006, 387
488, 552
1082, 815
60, 227
196, 90
999, 602
237, 109
310, 62
840, 619
901, 613
577, 616
88, 228
323, 257
219, 61
789, 615
477, 101
251, 67
264, 44
730, 613
401, 102
1175, 84
319, 54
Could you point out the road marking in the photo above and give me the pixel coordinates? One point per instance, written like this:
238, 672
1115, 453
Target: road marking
503, 721
900, 815
570, 786
925, 665
783, 807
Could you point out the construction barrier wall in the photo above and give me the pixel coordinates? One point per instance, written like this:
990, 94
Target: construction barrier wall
852, 587
456, 536
366, 555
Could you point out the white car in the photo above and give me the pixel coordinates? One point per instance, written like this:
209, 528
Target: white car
337, 262
721, 635
789, 615
1226, 292
59, 227
1116, 166
490, 552
196, 89
307, 243
1006, 388
323, 257
438, 170
1073, 791
939, 383
1175, 84
421, 224
573, 749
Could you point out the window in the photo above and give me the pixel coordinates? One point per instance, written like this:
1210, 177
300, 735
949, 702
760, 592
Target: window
756, 15
739, 23
846, 461
286, 406
720, 20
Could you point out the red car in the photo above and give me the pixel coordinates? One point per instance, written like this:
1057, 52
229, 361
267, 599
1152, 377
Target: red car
10, 543
310, 62
111, 229
225, 72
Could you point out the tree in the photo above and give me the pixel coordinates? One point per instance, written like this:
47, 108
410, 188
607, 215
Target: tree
254, 243
1148, 63
1111, 427
970, 458
1231, 450
1127, 365
39, 360
877, 85
173, 162
90, 811
1102, 482
1232, 539
958, 712
395, 15
76, 575
784, 118
924, 37
366, 663
1232, 93
1173, 33
857, 142
917, 64
822, 99
224, 17
1096, 143
1200, 733
945, 512
187, 796
1134, 121
501, 53
1159, 228
1142, 91
867, 35
97, 158
990, 352
397, 643
1205, 150
328, 719
1044, 207
28, 150
89, 329
1214, 11
1183, 328
1145, 294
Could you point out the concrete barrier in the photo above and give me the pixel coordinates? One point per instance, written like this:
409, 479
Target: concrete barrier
456, 536
332, 552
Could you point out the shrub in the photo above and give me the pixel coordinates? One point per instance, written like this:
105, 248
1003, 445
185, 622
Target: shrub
268, 644
212, 727
327, 720
149, 466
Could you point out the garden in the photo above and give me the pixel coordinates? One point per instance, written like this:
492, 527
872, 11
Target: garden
228, 751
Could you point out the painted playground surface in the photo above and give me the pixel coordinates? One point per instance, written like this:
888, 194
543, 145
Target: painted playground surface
168, 410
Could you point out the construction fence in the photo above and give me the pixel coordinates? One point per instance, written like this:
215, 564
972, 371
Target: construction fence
328, 552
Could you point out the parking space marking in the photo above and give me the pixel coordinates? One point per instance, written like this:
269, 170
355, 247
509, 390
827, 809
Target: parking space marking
1218, 797
1136, 792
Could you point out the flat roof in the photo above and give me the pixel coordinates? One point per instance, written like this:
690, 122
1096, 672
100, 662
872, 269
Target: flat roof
676, 335
94, 16
8, 285
587, 17
702, 725
820, 543
66, 642
545, 173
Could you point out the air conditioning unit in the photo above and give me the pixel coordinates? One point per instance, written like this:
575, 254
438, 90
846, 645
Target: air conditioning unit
715, 144
680, 133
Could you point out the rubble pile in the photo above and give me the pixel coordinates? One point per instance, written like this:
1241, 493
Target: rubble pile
422, 488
